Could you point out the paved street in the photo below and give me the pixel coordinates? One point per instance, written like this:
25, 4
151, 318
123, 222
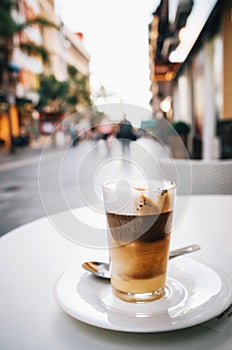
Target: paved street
19, 195
36, 182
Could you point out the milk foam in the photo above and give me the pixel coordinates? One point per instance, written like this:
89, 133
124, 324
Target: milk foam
137, 198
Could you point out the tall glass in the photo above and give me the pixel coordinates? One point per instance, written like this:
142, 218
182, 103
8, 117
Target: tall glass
139, 217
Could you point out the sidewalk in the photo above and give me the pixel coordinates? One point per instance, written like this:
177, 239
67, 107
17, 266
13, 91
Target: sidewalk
19, 192
25, 156
34, 147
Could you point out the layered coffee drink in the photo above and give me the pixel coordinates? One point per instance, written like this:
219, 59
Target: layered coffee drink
139, 246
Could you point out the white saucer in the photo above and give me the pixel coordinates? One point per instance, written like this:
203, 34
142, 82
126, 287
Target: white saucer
194, 294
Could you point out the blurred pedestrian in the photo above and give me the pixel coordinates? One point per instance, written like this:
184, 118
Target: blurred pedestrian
125, 134
106, 129
72, 131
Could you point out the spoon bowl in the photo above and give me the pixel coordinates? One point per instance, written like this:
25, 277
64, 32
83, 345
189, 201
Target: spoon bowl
102, 269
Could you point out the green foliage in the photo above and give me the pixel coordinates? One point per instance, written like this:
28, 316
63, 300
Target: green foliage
8, 5
53, 88
78, 89
52, 93
181, 127
7, 24
63, 96
72, 71
72, 100
35, 50
37, 20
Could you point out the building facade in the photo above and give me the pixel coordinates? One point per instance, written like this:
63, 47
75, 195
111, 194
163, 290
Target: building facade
64, 48
197, 76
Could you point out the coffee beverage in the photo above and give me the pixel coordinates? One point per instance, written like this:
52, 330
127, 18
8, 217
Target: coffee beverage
139, 247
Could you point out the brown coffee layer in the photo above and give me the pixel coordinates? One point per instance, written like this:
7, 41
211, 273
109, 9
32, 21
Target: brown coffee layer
141, 228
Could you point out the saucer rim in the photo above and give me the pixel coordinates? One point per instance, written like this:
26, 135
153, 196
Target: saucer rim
227, 299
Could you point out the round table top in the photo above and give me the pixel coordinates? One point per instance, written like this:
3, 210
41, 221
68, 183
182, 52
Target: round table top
33, 256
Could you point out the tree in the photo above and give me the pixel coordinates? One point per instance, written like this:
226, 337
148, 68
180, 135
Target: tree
52, 94
78, 88
57, 96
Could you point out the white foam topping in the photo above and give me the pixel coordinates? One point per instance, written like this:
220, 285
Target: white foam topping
128, 198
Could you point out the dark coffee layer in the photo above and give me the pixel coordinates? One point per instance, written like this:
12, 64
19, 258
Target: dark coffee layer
139, 228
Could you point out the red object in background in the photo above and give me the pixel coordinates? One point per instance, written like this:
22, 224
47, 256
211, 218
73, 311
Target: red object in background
48, 122
79, 35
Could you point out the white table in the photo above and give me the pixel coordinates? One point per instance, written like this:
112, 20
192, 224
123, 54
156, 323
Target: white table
33, 256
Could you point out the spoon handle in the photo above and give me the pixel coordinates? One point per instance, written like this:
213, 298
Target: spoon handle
185, 250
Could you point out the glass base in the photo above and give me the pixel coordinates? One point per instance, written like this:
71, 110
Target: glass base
139, 297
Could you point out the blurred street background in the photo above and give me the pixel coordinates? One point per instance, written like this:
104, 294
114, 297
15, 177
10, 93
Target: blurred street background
70, 72
23, 183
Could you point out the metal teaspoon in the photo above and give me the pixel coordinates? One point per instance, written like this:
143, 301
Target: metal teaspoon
101, 269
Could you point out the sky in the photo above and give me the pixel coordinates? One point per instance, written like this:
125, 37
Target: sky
116, 37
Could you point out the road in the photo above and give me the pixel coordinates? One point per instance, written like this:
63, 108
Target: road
41, 182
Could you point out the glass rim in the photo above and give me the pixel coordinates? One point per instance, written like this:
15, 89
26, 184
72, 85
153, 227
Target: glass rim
147, 185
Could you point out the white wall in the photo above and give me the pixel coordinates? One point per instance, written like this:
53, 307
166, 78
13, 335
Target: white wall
209, 123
